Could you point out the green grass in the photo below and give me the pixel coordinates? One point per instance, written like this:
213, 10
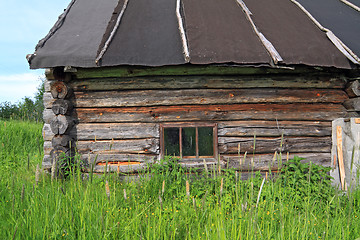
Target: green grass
80, 209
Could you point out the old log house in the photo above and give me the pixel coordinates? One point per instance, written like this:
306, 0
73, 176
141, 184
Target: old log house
206, 81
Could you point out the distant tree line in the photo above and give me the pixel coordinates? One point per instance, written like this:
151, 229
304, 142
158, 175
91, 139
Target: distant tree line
27, 109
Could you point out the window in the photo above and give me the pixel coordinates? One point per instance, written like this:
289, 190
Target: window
189, 140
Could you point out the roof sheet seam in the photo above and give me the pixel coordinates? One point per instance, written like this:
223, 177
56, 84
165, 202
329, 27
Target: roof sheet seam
332, 37
351, 5
182, 32
112, 34
267, 44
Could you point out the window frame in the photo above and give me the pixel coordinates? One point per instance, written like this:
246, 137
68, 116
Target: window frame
181, 125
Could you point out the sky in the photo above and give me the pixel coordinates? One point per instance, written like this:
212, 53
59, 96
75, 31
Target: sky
22, 24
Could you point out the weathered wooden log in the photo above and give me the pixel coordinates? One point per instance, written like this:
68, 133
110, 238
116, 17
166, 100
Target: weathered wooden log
108, 131
61, 124
264, 162
59, 90
187, 70
48, 115
61, 106
352, 104
63, 141
48, 100
229, 145
121, 148
206, 96
298, 112
93, 158
198, 82
274, 128
49, 74
353, 89
135, 146
59, 154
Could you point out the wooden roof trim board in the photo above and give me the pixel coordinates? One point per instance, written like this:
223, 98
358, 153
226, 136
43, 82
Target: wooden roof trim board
335, 40
182, 32
267, 44
351, 5
112, 34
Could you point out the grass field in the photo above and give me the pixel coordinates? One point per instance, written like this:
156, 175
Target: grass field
171, 204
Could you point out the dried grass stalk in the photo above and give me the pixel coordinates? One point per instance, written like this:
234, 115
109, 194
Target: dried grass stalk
107, 189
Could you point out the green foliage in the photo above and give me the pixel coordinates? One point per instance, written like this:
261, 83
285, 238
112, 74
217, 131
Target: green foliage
20, 146
306, 180
27, 109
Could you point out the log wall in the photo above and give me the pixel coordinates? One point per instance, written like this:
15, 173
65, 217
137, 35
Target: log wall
118, 119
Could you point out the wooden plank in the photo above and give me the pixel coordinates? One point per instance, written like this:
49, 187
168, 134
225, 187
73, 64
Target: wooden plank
298, 112
229, 145
264, 162
129, 146
352, 104
128, 71
199, 82
274, 128
206, 96
339, 143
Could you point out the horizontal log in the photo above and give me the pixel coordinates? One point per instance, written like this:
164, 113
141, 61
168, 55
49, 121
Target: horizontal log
108, 131
352, 104
59, 90
264, 162
121, 169
206, 96
47, 133
130, 146
311, 112
274, 128
48, 115
179, 82
228, 145
129, 71
63, 141
91, 158
137, 146
353, 89
48, 100
61, 124
61, 106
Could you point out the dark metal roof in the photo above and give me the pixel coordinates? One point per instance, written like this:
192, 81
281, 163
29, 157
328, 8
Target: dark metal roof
94, 33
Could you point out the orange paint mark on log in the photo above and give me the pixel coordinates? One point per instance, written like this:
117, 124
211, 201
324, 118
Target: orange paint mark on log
113, 163
231, 95
357, 120
318, 95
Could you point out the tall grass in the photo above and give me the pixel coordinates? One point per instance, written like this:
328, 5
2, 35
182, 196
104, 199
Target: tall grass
166, 202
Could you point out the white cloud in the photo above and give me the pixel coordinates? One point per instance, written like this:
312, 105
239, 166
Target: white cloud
17, 86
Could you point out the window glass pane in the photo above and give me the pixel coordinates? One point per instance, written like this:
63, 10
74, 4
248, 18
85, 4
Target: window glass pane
171, 142
206, 146
189, 141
